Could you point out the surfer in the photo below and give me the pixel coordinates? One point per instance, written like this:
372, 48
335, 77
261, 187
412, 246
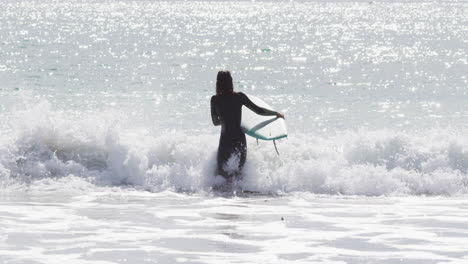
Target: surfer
226, 110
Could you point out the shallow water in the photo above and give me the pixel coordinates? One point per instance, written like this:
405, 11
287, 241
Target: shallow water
137, 227
107, 151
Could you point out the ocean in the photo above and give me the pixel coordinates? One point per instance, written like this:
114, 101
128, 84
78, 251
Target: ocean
108, 152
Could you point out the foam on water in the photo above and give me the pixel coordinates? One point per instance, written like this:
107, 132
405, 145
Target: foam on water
49, 149
107, 150
117, 94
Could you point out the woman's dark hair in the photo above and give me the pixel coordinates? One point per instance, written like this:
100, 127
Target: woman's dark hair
224, 83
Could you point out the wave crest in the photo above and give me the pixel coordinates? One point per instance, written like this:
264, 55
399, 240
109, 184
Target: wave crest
100, 151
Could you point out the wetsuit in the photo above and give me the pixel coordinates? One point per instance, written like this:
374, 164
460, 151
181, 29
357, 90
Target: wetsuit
226, 110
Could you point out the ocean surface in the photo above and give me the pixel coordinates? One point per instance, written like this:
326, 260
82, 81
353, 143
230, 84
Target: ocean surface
108, 152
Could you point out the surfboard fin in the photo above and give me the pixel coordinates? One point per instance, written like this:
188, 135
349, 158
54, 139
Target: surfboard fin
274, 143
257, 141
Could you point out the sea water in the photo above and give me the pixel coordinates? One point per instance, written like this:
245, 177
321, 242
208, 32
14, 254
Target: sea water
108, 153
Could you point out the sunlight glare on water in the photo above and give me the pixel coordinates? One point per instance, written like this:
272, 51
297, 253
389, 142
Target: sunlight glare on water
108, 152
328, 65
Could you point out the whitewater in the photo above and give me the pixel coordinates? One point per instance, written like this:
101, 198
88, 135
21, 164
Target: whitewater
108, 153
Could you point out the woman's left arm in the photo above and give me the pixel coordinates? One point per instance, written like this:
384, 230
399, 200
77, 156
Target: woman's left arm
214, 114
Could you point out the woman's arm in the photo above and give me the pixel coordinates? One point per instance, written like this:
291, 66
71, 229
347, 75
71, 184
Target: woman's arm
257, 109
214, 114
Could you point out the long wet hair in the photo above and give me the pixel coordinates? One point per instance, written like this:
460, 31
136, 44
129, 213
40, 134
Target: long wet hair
224, 83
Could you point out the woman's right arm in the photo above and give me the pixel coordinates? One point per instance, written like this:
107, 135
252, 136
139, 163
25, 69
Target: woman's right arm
214, 114
257, 109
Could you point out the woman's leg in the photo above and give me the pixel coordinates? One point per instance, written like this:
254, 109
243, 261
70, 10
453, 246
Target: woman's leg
221, 161
242, 156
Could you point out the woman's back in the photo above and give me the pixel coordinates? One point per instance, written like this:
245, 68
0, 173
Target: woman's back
228, 107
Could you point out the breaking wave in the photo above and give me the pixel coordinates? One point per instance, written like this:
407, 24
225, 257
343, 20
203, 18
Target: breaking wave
40, 147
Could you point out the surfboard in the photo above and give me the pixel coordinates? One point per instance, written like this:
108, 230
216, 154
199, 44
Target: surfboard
262, 127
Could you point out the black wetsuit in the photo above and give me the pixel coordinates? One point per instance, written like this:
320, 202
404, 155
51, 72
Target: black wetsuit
226, 110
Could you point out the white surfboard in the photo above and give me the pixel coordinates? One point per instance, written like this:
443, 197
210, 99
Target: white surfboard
262, 127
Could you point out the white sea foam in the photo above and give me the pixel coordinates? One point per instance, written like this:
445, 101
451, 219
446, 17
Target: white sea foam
103, 150
107, 151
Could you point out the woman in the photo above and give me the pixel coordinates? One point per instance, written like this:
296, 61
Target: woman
226, 110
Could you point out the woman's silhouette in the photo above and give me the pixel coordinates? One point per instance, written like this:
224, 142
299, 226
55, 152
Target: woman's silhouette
226, 110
